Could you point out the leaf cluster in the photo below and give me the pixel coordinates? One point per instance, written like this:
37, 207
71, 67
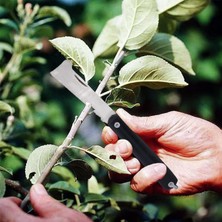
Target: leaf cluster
160, 58
20, 93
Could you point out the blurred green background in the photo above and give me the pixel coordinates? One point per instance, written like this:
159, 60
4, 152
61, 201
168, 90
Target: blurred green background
56, 108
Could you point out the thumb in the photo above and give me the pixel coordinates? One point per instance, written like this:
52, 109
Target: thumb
47, 207
153, 125
42, 203
148, 176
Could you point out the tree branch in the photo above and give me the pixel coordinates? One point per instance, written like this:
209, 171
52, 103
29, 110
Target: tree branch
16, 186
76, 124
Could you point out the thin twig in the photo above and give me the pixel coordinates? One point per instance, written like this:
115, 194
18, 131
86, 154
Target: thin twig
16, 186
118, 58
75, 126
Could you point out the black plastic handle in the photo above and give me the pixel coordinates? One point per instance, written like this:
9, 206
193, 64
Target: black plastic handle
141, 151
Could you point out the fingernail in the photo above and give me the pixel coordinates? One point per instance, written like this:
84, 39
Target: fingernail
39, 189
160, 169
109, 135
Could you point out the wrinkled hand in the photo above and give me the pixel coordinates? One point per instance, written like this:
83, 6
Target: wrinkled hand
191, 147
47, 209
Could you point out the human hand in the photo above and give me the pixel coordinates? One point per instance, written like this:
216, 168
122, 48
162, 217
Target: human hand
46, 208
191, 147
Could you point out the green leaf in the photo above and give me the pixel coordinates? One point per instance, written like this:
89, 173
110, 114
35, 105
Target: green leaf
5, 146
21, 152
66, 174
171, 49
78, 52
95, 187
139, 23
24, 44
64, 187
152, 72
6, 108
122, 97
44, 31
96, 198
2, 185
80, 169
167, 4
3, 169
9, 5
6, 47
9, 23
187, 9
110, 160
167, 24
37, 161
31, 61
25, 112
56, 12
106, 43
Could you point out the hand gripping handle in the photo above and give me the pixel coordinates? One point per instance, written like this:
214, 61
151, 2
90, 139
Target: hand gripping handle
141, 151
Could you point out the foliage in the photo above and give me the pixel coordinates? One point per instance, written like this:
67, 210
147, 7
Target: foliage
21, 113
147, 37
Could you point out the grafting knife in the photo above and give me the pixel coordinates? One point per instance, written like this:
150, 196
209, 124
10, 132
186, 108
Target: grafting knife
70, 79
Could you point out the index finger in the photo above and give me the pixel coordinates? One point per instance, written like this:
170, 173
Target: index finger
108, 136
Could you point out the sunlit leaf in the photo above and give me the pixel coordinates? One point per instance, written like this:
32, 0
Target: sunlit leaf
110, 160
78, 52
171, 49
2, 185
55, 11
9, 23
167, 4
122, 97
106, 43
152, 72
187, 9
2, 169
94, 186
37, 161
6, 47
63, 186
139, 23
6, 108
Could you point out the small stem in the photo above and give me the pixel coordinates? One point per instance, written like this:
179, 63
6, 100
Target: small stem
16, 186
78, 203
105, 93
118, 58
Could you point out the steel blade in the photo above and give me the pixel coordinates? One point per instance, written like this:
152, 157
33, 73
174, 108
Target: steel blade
70, 79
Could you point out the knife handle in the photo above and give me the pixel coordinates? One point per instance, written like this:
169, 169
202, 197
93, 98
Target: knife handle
141, 151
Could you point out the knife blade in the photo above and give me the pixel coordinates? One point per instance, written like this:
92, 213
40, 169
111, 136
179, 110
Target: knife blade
73, 82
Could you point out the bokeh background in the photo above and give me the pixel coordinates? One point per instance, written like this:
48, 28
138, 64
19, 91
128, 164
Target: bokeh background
203, 98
